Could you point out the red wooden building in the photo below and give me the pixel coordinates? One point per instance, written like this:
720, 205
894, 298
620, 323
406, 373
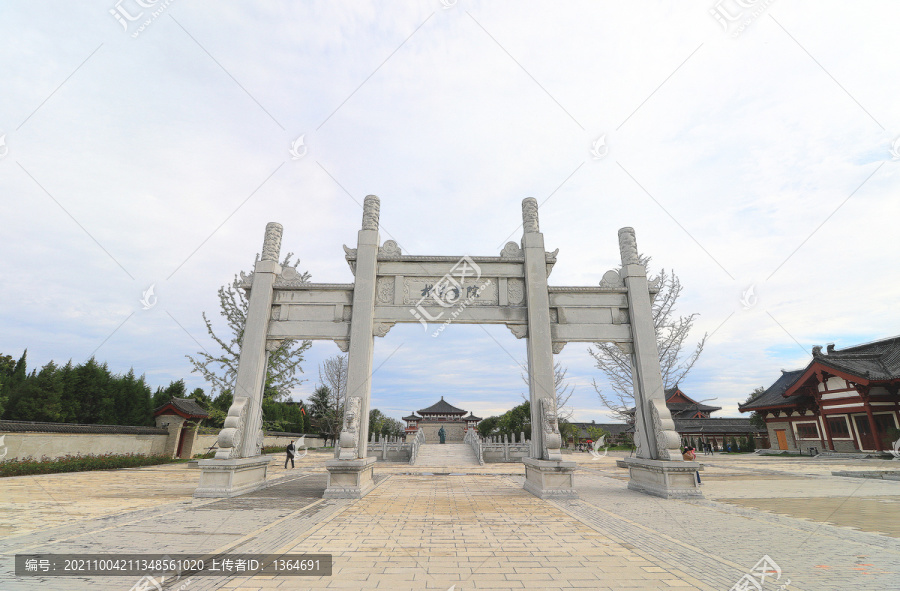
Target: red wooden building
844, 400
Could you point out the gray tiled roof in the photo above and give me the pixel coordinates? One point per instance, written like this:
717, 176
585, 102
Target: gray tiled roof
735, 425
879, 360
186, 405
442, 407
689, 408
713, 426
875, 361
37, 427
774, 394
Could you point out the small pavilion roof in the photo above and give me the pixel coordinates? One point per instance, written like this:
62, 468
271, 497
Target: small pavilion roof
472, 417
442, 408
412, 417
184, 407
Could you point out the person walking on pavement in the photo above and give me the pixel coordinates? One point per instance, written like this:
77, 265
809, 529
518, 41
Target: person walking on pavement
290, 455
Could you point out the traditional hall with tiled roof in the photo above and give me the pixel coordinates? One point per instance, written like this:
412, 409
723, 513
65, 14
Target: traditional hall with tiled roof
441, 414
844, 400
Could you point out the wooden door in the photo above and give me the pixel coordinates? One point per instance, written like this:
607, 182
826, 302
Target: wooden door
866, 438
781, 434
884, 423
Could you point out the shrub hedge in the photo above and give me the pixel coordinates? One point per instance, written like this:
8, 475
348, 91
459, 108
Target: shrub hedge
79, 463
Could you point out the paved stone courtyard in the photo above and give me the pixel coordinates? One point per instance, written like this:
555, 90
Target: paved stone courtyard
476, 528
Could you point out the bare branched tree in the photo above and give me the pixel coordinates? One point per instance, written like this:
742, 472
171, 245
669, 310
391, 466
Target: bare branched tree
220, 370
671, 333
564, 390
329, 398
333, 373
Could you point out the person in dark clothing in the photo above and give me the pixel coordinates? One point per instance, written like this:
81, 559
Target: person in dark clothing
291, 449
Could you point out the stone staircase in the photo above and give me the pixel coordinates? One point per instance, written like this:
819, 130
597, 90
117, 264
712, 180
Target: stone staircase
447, 455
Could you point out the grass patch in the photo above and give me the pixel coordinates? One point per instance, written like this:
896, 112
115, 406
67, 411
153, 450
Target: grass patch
79, 463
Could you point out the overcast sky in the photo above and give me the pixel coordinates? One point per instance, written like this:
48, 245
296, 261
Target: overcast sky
753, 156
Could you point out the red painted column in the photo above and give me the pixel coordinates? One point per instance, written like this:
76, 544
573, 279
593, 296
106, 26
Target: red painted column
825, 424
872, 427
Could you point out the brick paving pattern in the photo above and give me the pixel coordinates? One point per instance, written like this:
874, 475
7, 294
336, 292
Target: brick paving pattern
473, 527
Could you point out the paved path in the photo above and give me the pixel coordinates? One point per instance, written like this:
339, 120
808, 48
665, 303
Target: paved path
479, 530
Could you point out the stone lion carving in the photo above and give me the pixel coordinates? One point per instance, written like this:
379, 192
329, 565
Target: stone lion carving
350, 431
550, 429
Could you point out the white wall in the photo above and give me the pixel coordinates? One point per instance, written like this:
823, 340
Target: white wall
58, 445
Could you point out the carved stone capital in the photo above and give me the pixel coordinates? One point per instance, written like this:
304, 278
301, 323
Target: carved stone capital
558, 347
627, 348
530, 215
380, 329
520, 331
628, 247
272, 344
371, 211
272, 243
343, 344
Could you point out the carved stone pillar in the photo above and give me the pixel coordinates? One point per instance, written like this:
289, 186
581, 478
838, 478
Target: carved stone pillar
350, 474
238, 466
546, 475
655, 435
658, 468
242, 435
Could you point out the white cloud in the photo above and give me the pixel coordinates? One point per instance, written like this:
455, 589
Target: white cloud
749, 146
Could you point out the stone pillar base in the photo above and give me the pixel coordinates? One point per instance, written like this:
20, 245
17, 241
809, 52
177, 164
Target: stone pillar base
230, 478
550, 479
666, 479
350, 479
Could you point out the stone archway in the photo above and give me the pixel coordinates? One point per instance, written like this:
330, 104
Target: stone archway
392, 287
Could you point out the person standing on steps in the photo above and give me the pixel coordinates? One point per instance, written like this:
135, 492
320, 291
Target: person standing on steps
291, 449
